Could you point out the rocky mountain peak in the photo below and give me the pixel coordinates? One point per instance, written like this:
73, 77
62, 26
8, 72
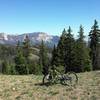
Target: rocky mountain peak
35, 38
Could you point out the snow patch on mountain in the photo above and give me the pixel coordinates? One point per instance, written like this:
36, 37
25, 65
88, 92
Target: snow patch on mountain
3, 36
35, 38
45, 37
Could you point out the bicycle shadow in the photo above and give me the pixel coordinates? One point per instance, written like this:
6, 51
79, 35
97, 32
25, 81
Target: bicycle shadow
43, 84
49, 84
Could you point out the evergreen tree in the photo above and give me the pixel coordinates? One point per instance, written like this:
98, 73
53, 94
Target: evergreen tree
20, 63
27, 51
34, 67
4, 67
43, 60
69, 51
60, 61
94, 43
54, 56
98, 56
12, 70
81, 34
26, 47
82, 61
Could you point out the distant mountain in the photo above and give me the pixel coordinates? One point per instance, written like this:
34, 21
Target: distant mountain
35, 38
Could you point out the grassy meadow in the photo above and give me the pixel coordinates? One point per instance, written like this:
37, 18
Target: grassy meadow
29, 87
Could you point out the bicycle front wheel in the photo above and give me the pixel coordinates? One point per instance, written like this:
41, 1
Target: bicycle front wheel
70, 79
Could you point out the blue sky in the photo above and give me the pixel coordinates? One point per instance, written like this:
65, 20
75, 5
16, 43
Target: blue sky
51, 16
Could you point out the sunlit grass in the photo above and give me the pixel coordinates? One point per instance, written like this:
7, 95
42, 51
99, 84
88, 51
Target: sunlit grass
29, 87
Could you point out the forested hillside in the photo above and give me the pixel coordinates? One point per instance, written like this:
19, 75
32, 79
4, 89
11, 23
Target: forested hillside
69, 54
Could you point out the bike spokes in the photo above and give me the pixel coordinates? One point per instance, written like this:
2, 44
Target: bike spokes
71, 79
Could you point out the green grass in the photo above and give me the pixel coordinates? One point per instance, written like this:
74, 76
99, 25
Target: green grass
28, 87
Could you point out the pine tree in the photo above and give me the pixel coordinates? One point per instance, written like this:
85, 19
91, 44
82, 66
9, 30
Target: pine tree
54, 56
81, 34
60, 61
27, 51
26, 47
69, 51
4, 67
94, 43
43, 60
20, 63
82, 61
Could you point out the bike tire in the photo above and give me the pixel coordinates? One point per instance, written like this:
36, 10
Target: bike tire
46, 79
70, 79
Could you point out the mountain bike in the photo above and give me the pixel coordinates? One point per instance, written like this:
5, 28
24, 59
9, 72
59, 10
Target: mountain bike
70, 78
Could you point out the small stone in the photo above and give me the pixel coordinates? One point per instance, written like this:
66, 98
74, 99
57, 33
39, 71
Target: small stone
13, 89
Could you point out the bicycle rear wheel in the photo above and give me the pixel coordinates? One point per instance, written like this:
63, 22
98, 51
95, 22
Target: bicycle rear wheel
46, 79
70, 79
